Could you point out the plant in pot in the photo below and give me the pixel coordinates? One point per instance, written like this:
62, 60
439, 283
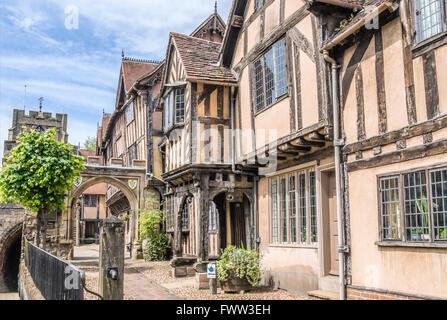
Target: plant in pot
238, 269
125, 218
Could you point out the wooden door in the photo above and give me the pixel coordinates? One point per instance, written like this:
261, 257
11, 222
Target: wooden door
237, 225
333, 223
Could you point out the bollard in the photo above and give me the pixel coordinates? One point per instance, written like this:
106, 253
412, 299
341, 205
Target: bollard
111, 259
211, 275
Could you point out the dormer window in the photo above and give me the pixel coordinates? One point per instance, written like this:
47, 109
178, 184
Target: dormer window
174, 108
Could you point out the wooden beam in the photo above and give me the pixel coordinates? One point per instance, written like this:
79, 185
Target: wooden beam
238, 21
417, 152
288, 147
303, 142
393, 136
316, 136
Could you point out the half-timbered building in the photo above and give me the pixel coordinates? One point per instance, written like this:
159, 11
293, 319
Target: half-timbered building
389, 60
283, 130
130, 133
207, 205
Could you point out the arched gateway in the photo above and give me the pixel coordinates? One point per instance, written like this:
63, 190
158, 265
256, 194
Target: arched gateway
131, 181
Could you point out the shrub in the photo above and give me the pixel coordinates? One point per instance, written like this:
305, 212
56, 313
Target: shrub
151, 228
240, 262
157, 247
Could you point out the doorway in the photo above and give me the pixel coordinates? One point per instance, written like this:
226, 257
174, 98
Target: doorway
330, 223
237, 218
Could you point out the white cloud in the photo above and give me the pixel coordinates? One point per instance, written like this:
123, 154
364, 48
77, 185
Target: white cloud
143, 26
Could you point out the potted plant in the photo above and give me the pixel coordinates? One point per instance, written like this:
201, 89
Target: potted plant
443, 234
125, 218
238, 269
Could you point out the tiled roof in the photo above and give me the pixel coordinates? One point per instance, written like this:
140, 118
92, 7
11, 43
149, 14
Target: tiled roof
133, 70
200, 58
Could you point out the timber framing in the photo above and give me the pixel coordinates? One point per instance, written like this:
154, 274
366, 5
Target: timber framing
408, 132
417, 152
272, 38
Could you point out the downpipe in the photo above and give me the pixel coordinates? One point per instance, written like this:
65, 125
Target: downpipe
337, 151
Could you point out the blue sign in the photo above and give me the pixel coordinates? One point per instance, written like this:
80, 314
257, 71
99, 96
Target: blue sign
211, 271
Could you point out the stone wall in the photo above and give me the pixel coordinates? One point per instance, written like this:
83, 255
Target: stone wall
27, 288
10, 216
56, 243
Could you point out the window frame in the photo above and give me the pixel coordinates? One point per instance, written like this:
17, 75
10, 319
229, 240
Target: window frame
415, 5
88, 203
276, 75
278, 240
169, 213
186, 219
130, 106
403, 223
170, 105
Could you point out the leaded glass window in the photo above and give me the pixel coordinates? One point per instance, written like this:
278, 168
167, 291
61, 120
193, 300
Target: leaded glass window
283, 209
269, 79
130, 116
292, 208
185, 215
179, 105
213, 216
274, 211
414, 206
390, 208
313, 206
429, 18
438, 181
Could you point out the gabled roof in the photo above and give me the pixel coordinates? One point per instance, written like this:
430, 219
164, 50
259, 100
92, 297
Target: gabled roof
132, 70
214, 21
200, 59
232, 32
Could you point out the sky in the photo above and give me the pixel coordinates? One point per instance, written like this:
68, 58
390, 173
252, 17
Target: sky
69, 52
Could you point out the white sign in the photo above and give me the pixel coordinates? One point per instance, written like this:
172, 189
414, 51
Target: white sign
211, 271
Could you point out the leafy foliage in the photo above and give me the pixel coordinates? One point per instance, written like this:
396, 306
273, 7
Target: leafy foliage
157, 246
240, 262
39, 171
344, 22
151, 228
90, 144
149, 222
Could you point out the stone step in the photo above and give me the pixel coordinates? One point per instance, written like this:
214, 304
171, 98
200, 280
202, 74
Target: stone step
324, 295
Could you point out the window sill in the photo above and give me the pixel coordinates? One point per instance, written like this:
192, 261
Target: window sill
433, 245
429, 44
295, 246
281, 98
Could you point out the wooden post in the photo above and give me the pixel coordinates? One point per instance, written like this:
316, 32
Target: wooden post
213, 286
111, 259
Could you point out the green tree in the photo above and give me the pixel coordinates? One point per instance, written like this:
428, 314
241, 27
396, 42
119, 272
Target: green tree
37, 175
90, 144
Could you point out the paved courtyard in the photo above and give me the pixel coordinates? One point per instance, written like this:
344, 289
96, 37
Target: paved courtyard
153, 281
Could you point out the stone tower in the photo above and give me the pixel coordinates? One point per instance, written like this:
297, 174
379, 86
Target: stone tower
36, 120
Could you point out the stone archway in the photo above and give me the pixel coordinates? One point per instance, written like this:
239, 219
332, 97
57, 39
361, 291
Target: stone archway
10, 250
130, 181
